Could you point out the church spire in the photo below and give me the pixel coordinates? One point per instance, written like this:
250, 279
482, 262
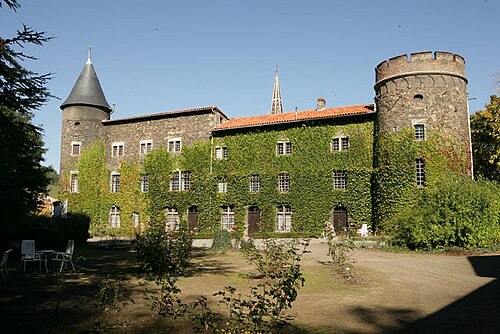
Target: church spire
277, 104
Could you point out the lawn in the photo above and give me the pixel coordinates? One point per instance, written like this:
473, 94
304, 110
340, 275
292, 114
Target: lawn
390, 292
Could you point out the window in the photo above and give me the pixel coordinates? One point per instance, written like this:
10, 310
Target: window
283, 182
174, 145
340, 144
284, 148
76, 147
144, 183
114, 217
283, 219
172, 219
254, 183
420, 172
180, 181
339, 180
118, 150
135, 219
115, 182
227, 218
145, 147
73, 182
221, 153
222, 187
419, 132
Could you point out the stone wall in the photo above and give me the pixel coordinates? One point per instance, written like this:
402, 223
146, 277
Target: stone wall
189, 127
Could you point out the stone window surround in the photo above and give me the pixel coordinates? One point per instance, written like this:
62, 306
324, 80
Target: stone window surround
283, 219
114, 217
222, 187
283, 147
174, 144
145, 146
171, 219
254, 183
118, 149
227, 218
339, 179
283, 182
221, 153
115, 182
73, 181
76, 145
180, 181
416, 122
340, 143
144, 183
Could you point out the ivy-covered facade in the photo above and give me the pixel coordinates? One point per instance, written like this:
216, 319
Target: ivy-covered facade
285, 174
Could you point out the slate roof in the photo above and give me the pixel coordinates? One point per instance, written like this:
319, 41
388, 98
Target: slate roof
295, 116
87, 91
160, 115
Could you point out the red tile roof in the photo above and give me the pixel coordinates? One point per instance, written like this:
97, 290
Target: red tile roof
293, 116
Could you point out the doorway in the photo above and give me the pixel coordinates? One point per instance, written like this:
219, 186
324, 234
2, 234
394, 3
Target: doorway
253, 219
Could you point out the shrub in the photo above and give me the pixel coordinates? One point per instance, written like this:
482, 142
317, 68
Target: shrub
460, 212
222, 241
163, 252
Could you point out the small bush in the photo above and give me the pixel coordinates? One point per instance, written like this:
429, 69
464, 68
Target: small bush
222, 241
461, 213
163, 252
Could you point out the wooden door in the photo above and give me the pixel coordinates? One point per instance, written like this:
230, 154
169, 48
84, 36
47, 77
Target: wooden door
192, 219
253, 219
339, 220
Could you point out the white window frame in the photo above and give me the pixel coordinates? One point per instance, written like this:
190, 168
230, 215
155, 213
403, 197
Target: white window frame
144, 183
135, 220
283, 219
284, 147
115, 182
117, 146
420, 172
171, 219
339, 180
221, 153
174, 142
180, 181
114, 217
227, 218
73, 181
254, 183
283, 182
340, 143
222, 187
145, 147
76, 144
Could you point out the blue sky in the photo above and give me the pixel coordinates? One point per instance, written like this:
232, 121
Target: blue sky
165, 55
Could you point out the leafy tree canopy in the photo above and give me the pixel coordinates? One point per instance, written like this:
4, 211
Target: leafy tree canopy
485, 131
22, 177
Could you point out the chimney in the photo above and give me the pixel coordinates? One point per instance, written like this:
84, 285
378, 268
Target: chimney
321, 104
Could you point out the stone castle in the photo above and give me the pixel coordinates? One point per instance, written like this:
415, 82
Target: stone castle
421, 94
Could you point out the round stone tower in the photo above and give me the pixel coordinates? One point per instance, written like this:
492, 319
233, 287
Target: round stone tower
82, 115
427, 90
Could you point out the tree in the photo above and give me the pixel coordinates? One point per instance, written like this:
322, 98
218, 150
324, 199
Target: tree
485, 131
22, 177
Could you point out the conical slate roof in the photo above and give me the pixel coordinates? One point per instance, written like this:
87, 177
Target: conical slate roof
87, 90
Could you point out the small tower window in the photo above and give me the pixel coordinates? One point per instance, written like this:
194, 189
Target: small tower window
420, 172
76, 147
419, 132
418, 97
73, 182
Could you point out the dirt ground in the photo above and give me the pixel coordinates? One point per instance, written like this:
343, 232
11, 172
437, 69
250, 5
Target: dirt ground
392, 292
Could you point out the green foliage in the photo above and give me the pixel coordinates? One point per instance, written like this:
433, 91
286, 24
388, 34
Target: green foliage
485, 132
163, 252
394, 188
340, 250
458, 212
221, 241
22, 177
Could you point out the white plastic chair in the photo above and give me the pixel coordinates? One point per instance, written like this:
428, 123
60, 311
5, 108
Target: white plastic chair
363, 231
67, 256
28, 253
3, 264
